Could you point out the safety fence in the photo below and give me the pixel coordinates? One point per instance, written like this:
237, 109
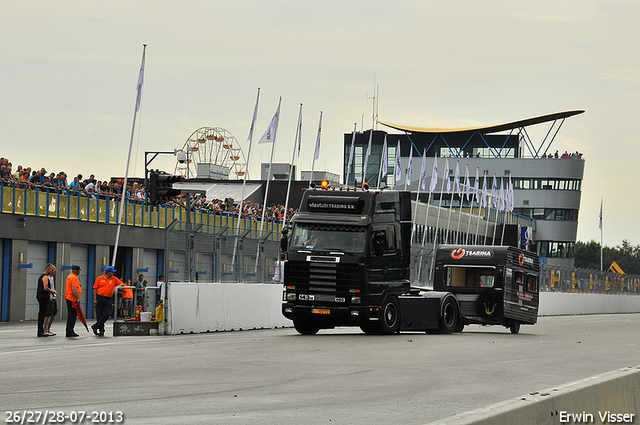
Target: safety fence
200, 253
578, 280
45, 201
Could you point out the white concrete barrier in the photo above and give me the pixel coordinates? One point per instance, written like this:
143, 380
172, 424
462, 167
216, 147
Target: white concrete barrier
612, 397
210, 307
560, 303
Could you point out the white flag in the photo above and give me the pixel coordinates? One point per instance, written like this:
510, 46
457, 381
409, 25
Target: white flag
484, 190
318, 139
445, 176
140, 79
408, 178
476, 186
398, 171
466, 182
494, 192
600, 220
253, 120
270, 135
434, 175
300, 130
423, 171
512, 202
353, 148
458, 189
366, 156
384, 157
502, 200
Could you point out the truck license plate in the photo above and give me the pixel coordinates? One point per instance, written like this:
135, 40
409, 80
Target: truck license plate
320, 311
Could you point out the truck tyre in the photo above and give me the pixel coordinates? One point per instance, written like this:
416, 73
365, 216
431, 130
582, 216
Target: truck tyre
449, 317
514, 327
306, 328
389, 316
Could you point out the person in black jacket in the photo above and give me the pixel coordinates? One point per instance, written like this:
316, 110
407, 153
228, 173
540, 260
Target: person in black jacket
43, 295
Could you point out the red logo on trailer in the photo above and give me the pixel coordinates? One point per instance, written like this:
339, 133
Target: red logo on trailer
521, 258
457, 253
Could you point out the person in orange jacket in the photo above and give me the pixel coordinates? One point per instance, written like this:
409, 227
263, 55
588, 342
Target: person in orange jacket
103, 291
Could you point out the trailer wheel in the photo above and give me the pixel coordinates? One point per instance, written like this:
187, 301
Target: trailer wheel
449, 318
514, 327
306, 328
389, 316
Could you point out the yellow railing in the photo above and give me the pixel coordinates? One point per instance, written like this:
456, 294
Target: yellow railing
69, 205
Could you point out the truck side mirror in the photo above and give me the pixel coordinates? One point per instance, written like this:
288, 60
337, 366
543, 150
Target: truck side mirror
284, 240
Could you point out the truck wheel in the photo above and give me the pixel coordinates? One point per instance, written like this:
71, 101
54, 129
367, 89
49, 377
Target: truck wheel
514, 327
389, 316
449, 318
306, 328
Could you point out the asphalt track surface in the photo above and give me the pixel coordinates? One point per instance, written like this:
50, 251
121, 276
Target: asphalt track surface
276, 376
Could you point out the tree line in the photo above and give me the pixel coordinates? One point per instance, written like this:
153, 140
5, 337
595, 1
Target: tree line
587, 255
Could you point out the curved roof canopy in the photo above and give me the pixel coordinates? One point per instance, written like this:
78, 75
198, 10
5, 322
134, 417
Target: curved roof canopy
488, 128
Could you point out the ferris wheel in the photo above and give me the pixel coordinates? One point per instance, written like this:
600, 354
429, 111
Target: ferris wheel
216, 147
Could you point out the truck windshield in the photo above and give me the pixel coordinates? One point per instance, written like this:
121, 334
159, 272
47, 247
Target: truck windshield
328, 237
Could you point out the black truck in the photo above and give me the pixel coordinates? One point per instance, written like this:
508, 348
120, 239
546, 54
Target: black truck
349, 256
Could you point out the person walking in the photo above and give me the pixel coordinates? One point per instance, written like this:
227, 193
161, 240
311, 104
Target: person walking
278, 276
103, 290
43, 295
72, 292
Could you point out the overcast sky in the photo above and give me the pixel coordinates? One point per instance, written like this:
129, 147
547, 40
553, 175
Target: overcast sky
69, 70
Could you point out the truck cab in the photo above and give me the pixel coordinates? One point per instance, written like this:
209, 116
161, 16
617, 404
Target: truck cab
348, 260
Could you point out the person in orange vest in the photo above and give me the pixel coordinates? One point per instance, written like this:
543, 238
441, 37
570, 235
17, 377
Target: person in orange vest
103, 291
127, 300
72, 292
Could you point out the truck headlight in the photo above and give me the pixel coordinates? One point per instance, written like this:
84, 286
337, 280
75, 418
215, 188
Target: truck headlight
291, 296
356, 300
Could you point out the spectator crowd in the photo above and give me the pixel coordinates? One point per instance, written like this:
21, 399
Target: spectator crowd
135, 192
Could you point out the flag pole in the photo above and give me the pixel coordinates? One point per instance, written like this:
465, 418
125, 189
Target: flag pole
316, 154
463, 196
435, 239
432, 185
486, 213
126, 172
244, 181
420, 184
600, 225
296, 140
353, 148
495, 204
266, 192
504, 210
383, 161
475, 191
366, 157
481, 203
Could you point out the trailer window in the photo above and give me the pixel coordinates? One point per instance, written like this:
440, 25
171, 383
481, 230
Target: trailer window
532, 283
478, 277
